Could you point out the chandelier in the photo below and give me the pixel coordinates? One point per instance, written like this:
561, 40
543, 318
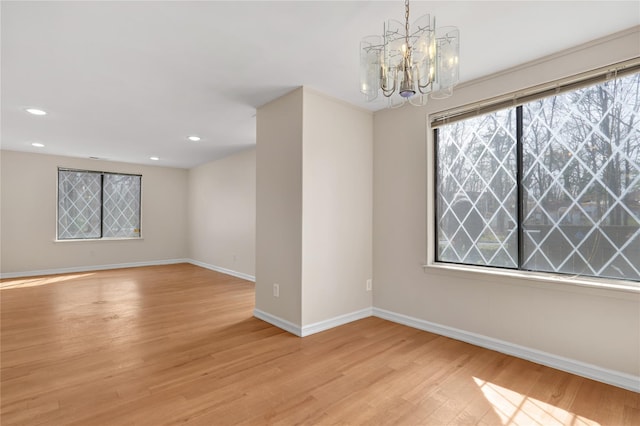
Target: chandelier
410, 64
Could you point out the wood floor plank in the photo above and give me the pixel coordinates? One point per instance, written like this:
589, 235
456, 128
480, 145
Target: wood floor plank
178, 345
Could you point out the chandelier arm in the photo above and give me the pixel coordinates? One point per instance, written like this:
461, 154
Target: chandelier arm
385, 90
424, 89
426, 86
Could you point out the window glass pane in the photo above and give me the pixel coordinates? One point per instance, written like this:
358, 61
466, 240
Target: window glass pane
581, 181
477, 192
78, 204
121, 206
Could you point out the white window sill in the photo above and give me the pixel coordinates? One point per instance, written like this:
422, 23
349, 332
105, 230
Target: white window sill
548, 280
81, 240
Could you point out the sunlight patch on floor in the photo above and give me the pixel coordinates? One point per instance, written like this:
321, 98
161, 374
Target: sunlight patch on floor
514, 408
35, 281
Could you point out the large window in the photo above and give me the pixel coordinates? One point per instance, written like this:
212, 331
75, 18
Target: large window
551, 185
95, 205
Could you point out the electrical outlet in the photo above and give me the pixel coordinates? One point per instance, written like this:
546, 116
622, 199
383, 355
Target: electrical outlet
276, 290
235, 258
369, 284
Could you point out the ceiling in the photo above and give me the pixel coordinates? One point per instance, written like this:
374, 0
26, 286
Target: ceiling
124, 81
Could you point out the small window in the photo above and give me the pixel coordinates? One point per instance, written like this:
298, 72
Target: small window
552, 185
94, 205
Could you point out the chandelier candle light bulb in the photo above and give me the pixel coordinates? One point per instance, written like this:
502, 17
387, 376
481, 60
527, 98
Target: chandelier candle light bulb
410, 64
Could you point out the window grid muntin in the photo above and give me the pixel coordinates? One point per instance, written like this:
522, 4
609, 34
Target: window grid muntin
621, 252
611, 252
99, 194
494, 250
116, 204
79, 208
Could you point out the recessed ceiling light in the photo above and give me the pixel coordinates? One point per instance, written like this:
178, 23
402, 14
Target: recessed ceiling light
194, 138
35, 111
38, 144
154, 158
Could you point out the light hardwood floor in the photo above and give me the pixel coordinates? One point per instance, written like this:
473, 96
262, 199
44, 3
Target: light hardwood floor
178, 345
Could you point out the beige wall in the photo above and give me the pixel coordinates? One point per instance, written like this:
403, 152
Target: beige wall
599, 327
279, 207
222, 213
314, 198
28, 216
337, 214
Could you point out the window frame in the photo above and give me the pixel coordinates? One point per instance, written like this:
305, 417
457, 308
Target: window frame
101, 238
514, 100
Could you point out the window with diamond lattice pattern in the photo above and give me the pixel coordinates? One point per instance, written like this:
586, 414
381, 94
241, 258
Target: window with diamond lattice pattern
576, 182
94, 205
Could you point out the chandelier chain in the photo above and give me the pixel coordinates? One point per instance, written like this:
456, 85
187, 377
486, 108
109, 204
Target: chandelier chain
406, 23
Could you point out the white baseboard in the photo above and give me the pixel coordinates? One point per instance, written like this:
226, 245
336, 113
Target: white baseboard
223, 270
89, 268
317, 327
76, 269
278, 322
615, 378
335, 322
